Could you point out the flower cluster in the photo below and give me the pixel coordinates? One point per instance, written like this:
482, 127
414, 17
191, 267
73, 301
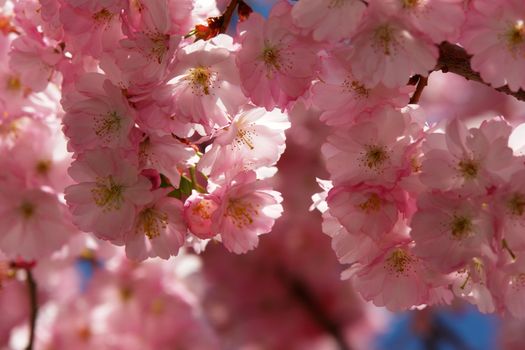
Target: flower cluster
149, 117
421, 211
173, 129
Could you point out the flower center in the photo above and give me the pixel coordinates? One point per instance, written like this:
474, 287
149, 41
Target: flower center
356, 87
372, 204
108, 125
271, 57
384, 39
335, 4
159, 46
107, 194
516, 204
399, 261
461, 226
375, 156
13, 83
102, 16
201, 79
84, 334
125, 293
244, 137
43, 167
410, 4
241, 212
151, 222
516, 35
468, 168
27, 210
204, 209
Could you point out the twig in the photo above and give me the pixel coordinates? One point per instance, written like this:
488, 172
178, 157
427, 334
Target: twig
421, 83
305, 297
453, 58
33, 302
227, 15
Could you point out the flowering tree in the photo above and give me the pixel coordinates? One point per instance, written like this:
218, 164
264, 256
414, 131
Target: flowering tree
134, 130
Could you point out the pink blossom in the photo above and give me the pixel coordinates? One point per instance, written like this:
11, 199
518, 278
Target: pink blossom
372, 151
371, 211
91, 26
386, 51
512, 288
198, 212
495, 35
275, 64
39, 156
472, 284
248, 208
34, 62
328, 20
205, 84
255, 138
450, 231
472, 161
33, 223
108, 194
159, 229
358, 247
509, 211
342, 97
439, 19
395, 279
97, 115
143, 57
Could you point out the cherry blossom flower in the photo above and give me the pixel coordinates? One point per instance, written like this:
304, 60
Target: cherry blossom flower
450, 231
386, 51
396, 279
34, 62
107, 195
472, 161
439, 19
342, 97
97, 115
371, 151
509, 212
255, 138
91, 26
159, 229
205, 83
248, 208
328, 19
198, 212
371, 211
276, 65
27, 215
495, 35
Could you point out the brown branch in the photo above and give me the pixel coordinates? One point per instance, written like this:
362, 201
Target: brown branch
304, 296
227, 15
454, 59
33, 302
421, 83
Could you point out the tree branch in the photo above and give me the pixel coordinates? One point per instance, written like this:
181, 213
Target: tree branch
421, 83
33, 301
227, 15
303, 295
454, 59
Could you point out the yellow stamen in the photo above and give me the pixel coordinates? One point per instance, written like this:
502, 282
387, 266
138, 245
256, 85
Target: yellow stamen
108, 194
